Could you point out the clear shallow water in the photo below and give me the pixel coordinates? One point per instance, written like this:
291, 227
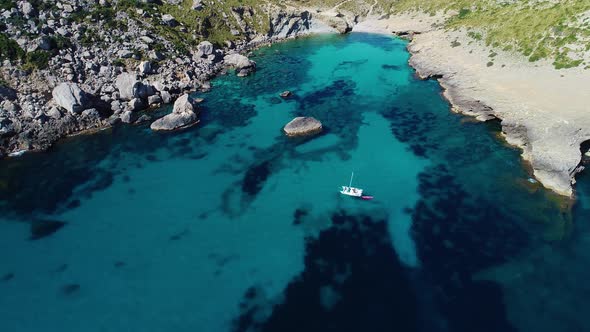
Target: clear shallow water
230, 226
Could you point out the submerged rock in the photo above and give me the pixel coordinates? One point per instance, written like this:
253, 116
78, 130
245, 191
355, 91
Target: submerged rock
70, 97
241, 63
303, 126
7, 277
44, 228
70, 289
183, 115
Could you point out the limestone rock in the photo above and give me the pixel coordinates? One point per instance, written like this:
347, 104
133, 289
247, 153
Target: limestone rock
243, 65
136, 104
127, 117
197, 5
169, 20
205, 49
303, 126
70, 97
183, 115
145, 67
128, 85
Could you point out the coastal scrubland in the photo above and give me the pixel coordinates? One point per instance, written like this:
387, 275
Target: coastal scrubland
558, 31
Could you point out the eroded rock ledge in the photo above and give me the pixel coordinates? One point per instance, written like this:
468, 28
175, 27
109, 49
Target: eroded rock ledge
541, 112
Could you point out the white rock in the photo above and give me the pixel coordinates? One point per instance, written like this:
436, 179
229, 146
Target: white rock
183, 115
243, 65
70, 97
303, 126
145, 67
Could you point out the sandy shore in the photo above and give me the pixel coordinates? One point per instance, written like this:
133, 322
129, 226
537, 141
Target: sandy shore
544, 111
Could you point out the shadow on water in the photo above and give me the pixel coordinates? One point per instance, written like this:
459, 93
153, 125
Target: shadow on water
457, 235
353, 281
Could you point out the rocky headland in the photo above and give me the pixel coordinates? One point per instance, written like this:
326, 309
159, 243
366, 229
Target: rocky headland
542, 110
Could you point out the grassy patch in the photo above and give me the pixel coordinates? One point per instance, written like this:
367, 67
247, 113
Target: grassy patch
36, 60
539, 29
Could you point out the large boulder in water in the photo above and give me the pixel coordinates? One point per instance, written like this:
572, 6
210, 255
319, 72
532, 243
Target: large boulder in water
243, 65
70, 97
183, 115
303, 126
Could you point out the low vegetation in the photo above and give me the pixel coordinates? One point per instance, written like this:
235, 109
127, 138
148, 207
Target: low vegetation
539, 29
558, 31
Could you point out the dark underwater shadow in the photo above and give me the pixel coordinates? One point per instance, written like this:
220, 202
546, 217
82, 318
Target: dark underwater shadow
353, 281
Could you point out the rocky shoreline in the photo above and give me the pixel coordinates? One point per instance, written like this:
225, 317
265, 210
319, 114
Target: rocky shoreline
85, 87
540, 109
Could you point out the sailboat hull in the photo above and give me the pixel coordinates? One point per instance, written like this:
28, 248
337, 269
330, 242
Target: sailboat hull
351, 191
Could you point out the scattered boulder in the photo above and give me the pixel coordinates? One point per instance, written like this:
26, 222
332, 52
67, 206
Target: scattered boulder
125, 54
169, 20
166, 97
205, 49
183, 115
241, 63
145, 67
127, 117
143, 118
26, 8
128, 85
197, 5
70, 97
303, 126
154, 100
137, 104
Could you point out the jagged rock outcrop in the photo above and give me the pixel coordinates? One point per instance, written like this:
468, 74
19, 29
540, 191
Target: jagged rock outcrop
183, 115
286, 24
303, 126
70, 97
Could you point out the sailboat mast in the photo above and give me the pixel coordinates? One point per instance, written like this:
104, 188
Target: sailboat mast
351, 175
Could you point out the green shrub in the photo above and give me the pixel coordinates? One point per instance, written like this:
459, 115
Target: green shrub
9, 49
464, 12
36, 60
59, 42
119, 63
7, 4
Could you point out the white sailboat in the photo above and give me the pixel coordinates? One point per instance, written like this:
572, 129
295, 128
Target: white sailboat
350, 190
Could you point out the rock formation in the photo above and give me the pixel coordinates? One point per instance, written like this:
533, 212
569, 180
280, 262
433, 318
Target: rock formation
183, 115
303, 126
70, 97
115, 61
241, 63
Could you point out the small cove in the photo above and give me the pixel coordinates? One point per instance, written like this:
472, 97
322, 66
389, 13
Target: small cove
230, 226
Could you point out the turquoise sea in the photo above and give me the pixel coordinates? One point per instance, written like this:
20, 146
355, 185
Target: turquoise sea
231, 226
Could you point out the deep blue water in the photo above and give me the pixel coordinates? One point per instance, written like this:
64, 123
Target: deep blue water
230, 226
